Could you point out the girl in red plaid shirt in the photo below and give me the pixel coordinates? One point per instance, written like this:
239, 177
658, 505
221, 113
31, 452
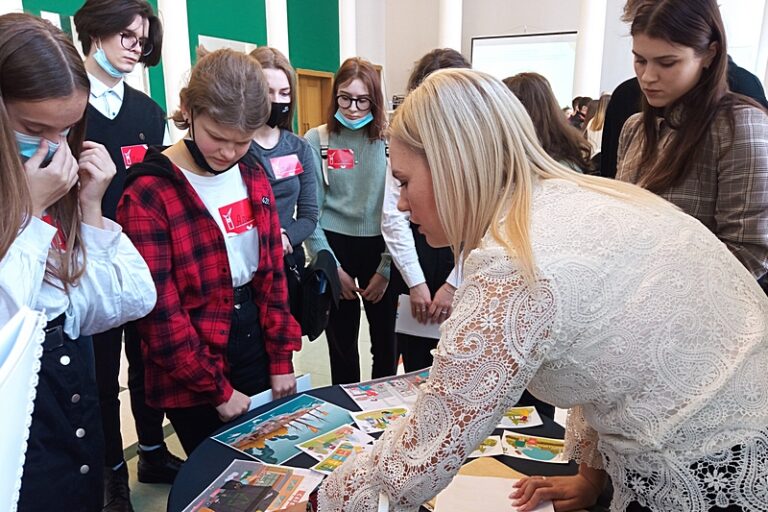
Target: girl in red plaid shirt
204, 218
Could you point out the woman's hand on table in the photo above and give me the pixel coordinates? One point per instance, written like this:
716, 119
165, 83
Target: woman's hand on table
237, 405
565, 492
282, 385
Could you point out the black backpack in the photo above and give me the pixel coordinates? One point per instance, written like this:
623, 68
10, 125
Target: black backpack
312, 291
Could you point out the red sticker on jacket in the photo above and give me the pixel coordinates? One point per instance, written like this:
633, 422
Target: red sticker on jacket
59, 241
133, 154
286, 166
341, 159
237, 217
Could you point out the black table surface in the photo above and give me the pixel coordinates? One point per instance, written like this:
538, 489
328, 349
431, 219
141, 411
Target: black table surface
211, 458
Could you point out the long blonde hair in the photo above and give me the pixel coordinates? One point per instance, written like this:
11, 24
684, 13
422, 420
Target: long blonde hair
484, 156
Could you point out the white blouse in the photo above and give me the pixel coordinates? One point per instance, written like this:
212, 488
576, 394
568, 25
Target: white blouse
115, 288
642, 322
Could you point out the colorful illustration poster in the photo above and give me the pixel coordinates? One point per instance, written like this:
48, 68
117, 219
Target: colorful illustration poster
249, 486
490, 447
541, 449
272, 437
401, 390
378, 420
337, 458
322, 446
520, 417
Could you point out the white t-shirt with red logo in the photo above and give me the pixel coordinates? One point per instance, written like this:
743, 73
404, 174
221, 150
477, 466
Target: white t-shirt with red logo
226, 198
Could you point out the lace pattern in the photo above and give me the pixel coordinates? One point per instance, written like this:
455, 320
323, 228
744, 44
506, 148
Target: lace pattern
642, 322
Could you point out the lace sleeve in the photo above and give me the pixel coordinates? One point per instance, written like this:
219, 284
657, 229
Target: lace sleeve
581, 440
489, 349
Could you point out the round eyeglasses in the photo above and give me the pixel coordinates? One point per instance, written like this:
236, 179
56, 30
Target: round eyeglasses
129, 42
362, 104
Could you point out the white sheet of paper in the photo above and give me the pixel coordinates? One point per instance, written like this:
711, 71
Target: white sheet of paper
407, 324
480, 493
21, 340
303, 383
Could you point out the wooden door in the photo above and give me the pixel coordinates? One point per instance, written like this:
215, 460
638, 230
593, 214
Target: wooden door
314, 98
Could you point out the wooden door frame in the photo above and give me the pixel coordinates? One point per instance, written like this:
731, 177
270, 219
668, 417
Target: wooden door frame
300, 72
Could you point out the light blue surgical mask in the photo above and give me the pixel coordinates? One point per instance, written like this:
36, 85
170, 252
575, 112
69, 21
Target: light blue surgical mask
28, 145
353, 124
101, 59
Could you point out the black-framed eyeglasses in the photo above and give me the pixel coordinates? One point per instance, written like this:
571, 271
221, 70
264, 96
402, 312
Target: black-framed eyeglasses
129, 42
362, 103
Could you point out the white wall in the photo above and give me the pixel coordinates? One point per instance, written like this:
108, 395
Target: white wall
510, 17
7, 6
617, 49
371, 40
411, 30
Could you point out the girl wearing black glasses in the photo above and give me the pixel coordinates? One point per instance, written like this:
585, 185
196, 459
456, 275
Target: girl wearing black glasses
351, 182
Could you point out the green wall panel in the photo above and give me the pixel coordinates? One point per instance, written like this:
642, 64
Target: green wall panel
239, 20
313, 34
67, 8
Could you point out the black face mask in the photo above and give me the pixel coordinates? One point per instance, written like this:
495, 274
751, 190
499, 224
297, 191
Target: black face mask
197, 155
278, 114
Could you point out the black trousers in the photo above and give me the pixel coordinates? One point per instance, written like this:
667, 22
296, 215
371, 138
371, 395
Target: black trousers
248, 373
149, 421
65, 451
360, 257
437, 265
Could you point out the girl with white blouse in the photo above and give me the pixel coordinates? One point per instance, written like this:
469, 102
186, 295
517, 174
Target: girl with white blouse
596, 295
59, 255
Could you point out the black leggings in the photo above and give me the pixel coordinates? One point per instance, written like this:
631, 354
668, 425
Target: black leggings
360, 257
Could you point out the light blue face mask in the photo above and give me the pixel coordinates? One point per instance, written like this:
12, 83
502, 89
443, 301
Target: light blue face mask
28, 145
101, 59
355, 124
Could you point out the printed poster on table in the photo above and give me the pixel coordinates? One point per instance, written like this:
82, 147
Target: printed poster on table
400, 390
520, 417
249, 486
378, 420
322, 446
338, 457
490, 447
272, 437
541, 449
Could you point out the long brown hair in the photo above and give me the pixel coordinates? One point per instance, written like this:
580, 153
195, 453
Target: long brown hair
560, 140
596, 121
695, 24
227, 86
272, 58
350, 69
38, 62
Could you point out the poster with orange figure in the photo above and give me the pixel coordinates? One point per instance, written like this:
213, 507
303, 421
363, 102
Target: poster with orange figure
272, 436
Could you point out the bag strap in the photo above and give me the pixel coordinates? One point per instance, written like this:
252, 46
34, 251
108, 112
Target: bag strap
322, 131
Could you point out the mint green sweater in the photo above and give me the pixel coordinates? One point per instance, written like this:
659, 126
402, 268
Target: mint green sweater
351, 202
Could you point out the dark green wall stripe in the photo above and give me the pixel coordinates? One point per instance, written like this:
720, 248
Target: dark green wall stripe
238, 20
313, 34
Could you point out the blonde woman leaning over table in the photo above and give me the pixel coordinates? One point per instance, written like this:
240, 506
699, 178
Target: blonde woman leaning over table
597, 295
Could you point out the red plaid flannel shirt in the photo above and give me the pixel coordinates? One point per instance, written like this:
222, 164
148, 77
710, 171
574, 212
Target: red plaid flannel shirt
184, 339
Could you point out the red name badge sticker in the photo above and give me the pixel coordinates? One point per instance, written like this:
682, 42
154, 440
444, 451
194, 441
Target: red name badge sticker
341, 159
237, 217
133, 154
286, 166
59, 241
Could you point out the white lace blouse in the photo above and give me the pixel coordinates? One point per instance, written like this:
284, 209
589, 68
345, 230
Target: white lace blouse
643, 323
